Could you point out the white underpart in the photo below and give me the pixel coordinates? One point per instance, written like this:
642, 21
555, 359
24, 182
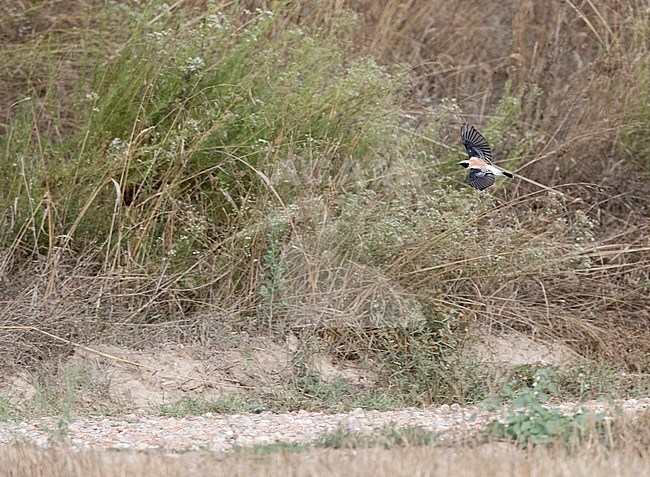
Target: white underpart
494, 170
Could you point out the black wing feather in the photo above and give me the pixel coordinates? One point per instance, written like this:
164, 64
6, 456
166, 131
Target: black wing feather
475, 143
479, 179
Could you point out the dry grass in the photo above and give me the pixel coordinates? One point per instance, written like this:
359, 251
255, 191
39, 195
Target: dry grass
349, 224
585, 59
628, 459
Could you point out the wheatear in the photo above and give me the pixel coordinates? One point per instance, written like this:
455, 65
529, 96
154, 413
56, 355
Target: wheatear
481, 170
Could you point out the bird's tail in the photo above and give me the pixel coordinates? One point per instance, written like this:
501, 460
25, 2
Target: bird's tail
509, 175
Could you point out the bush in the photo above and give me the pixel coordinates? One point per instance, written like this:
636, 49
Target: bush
528, 420
260, 172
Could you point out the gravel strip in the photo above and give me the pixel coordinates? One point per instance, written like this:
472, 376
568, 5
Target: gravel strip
222, 432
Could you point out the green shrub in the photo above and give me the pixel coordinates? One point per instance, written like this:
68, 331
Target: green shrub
529, 420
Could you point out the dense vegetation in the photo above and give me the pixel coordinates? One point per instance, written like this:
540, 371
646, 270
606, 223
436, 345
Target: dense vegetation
183, 172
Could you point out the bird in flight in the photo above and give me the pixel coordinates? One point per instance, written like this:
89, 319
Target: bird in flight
481, 170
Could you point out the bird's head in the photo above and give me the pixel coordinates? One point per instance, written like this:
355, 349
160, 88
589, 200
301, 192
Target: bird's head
464, 163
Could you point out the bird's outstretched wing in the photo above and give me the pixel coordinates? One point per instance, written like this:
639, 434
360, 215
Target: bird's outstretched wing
475, 143
479, 179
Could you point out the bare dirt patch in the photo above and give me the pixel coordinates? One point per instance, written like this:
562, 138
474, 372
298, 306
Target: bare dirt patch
515, 348
131, 379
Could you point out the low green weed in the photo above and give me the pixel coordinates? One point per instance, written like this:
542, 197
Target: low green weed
62, 395
527, 418
387, 437
7, 411
194, 406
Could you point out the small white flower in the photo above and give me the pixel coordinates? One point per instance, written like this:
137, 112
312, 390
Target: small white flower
215, 21
194, 64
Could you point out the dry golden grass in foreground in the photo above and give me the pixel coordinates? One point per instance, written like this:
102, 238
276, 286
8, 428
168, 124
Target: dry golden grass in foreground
494, 459
623, 449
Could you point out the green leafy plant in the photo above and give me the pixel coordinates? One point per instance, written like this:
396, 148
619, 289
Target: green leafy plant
527, 419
